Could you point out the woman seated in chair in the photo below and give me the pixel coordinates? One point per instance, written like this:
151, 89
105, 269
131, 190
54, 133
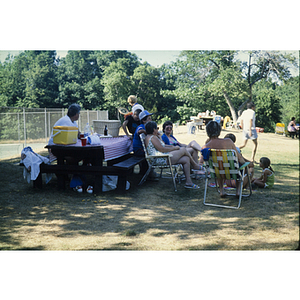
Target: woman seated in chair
154, 145
292, 128
213, 130
193, 147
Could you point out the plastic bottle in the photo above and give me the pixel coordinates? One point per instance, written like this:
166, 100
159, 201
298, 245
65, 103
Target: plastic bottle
105, 130
87, 130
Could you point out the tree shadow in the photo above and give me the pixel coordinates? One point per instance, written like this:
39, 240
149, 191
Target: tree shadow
153, 209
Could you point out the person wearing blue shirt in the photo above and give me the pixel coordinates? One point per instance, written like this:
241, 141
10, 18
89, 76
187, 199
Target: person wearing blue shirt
193, 147
138, 149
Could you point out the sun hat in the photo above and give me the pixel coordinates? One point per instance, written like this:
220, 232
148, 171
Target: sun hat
144, 114
137, 106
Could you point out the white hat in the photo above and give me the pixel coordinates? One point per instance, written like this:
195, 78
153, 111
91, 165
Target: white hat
137, 106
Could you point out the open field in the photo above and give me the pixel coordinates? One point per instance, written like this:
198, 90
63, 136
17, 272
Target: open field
153, 216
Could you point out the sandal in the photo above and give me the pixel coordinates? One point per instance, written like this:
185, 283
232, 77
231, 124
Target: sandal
194, 187
89, 189
78, 189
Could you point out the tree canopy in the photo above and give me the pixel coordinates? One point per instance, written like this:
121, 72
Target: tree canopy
197, 81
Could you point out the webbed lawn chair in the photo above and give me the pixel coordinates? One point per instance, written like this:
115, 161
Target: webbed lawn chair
223, 163
152, 162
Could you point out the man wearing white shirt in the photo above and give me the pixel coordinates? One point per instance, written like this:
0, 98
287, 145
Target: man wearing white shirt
68, 120
248, 126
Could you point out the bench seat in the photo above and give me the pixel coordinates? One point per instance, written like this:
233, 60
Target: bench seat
121, 169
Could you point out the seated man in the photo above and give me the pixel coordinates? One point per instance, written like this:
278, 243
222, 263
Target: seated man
68, 120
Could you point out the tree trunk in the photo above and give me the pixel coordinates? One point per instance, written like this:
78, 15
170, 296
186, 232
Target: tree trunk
232, 109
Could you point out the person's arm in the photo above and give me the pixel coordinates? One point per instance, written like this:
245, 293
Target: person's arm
124, 126
141, 130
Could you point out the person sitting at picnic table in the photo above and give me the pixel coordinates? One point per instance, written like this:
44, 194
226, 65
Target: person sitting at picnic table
292, 128
213, 130
131, 123
70, 120
180, 155
193, 147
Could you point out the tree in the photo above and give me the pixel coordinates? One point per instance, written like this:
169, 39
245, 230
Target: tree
146, 85
206, 76
78, 76
117, 85
267, 64
41, 87
268, 105
288, 93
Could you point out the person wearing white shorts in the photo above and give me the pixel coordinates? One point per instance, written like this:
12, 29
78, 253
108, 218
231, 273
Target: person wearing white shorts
248, 126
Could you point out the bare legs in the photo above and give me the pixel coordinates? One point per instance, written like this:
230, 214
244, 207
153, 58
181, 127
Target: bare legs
253, 150
194, 148
182, 156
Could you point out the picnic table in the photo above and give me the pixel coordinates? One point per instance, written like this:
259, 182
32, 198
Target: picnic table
114, 151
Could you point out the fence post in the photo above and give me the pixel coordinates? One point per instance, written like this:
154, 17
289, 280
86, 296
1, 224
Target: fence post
45, 125
24, 127
19, 127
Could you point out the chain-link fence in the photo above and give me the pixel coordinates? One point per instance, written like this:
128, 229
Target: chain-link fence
21, 127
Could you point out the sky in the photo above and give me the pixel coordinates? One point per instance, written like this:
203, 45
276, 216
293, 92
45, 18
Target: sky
154, 57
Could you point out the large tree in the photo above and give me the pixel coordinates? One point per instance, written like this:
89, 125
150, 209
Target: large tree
146, 86
208, 75
117, 85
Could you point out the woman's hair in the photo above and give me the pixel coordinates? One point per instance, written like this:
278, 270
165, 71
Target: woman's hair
266, 163
230, 136
293, 118
213, 129
73, 110
150, 126
167, 123
132, 99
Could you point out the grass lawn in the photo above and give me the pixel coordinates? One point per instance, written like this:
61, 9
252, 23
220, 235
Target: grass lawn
153, 216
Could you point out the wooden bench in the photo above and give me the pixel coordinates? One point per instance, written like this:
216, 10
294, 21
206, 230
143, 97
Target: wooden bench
121, 169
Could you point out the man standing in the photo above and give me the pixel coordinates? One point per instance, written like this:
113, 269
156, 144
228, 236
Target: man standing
248, 126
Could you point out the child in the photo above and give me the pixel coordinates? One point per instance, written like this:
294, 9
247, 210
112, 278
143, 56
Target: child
266, 180
131, 123
232, 183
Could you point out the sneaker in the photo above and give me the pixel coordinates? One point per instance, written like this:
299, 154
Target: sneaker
89, 189
78, 189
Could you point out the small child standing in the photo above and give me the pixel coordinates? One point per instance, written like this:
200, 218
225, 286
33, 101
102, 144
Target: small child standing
267, 178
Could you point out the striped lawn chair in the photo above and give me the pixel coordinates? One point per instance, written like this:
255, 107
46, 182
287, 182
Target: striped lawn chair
223, 163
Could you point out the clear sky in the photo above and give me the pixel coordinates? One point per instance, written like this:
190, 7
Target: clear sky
154, 57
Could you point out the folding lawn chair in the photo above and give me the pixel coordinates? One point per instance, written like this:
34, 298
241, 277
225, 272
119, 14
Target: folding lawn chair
152, 161
223, 163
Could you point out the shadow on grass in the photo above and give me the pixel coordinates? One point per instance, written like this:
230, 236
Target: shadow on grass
153, 208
